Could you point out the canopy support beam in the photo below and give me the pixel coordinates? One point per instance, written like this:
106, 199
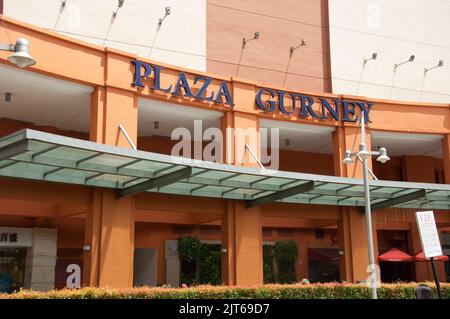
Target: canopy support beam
421, 193
14, 149
305, 187
160, 181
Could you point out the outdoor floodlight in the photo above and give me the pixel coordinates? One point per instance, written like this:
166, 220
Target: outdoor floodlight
304, 41
373, 57
167, 12
411, 59
255, 37
20, 56
119, 5
440, 64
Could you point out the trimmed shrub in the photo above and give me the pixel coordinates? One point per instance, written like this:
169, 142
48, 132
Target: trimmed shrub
274, 291
210, 268
268, 260
285, 253
189, 248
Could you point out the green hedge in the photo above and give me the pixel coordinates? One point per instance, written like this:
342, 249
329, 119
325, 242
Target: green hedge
268, 259
276, 291
200, 262
210, 271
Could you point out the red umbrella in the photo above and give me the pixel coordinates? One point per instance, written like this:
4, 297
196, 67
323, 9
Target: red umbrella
395, 255
420, 256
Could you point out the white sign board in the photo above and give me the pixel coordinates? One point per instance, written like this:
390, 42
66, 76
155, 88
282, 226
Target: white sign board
16, 237
429, 236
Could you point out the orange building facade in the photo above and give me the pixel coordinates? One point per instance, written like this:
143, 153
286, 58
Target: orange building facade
93, 228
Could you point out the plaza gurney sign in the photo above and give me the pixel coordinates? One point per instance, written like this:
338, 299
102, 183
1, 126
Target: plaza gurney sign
268, 100
182, 84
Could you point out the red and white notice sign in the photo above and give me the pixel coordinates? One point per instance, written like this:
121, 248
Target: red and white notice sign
429, 236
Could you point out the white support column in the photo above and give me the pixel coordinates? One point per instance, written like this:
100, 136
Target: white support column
41, 260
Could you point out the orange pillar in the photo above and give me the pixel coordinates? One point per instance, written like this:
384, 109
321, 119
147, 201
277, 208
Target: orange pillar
351, 226
109, 229
241, 227
242, 237
446, 157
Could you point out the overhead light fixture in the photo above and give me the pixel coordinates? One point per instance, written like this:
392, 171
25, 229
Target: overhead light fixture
8, 96
411, 59
20, 56
373, 57
304, 42
119, 5
255, 37
383, 158
167, 12
440, 64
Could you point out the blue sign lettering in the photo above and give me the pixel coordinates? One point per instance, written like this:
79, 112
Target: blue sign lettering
143, 70
329, 108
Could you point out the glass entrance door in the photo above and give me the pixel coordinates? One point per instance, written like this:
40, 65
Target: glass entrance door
12, 269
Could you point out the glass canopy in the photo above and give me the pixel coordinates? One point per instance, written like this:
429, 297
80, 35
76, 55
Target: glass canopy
35, 155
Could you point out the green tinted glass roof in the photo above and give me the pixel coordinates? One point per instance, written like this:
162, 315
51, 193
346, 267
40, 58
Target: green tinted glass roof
35, 155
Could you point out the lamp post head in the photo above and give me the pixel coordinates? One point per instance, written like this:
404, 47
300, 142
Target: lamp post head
374, 56
383, 158
441, 63
363, 153
21, 57
257, 35
411, 58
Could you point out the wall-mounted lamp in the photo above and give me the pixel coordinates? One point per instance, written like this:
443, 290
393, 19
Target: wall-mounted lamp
8, 97
440, 63
167, 12
244, 42
156, 125
411, 58
287, 142
304, 42
255, 37
87, 248
20, 57
373, 57
119, 5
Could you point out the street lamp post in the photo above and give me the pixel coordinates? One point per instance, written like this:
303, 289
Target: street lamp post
363, 154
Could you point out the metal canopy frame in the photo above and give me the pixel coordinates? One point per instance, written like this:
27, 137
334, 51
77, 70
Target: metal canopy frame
421, 193
34, 155
155, 182
302, 188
